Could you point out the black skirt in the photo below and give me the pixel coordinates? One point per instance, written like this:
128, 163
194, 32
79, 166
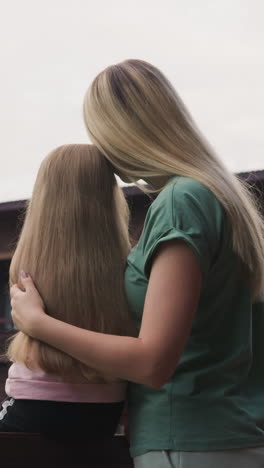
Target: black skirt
60, 419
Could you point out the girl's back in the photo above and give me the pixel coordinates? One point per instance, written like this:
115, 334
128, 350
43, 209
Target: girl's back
74, 239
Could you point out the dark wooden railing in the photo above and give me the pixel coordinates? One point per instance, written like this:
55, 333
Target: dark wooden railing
35, 451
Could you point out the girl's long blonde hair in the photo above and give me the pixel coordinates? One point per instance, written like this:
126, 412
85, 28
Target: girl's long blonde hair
74, 244
135, 117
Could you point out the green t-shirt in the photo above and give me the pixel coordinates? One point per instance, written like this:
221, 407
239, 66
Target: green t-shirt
215, 399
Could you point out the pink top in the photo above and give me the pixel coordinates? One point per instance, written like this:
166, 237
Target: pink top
24, 383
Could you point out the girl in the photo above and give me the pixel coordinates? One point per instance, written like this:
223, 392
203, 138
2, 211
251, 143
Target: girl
194, 283
74, 238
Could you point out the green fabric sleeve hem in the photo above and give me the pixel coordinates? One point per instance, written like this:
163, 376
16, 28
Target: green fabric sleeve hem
173, 234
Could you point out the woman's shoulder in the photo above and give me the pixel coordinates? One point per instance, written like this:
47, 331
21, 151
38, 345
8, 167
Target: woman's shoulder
187, 191
185, 203
185, 210
181, 185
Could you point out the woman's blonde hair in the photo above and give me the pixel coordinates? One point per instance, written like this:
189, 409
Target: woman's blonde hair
135, 117
74, 244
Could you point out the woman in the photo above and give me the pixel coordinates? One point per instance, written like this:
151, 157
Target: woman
194, 283
74, 239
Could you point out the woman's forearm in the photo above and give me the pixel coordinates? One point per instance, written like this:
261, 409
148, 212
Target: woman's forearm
120, 356
168, 315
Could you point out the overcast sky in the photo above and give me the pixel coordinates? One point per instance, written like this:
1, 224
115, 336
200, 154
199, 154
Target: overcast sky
212, 51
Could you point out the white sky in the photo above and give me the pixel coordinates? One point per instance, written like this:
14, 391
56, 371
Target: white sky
212, 50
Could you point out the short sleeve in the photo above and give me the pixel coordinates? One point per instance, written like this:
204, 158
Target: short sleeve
185, 210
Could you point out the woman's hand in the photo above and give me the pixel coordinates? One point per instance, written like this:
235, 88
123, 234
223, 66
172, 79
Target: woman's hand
27, 306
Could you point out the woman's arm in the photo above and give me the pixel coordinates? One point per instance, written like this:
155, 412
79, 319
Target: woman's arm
171, 301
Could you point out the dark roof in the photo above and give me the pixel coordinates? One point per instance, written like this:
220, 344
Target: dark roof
131, 191
252, 176
13, 205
